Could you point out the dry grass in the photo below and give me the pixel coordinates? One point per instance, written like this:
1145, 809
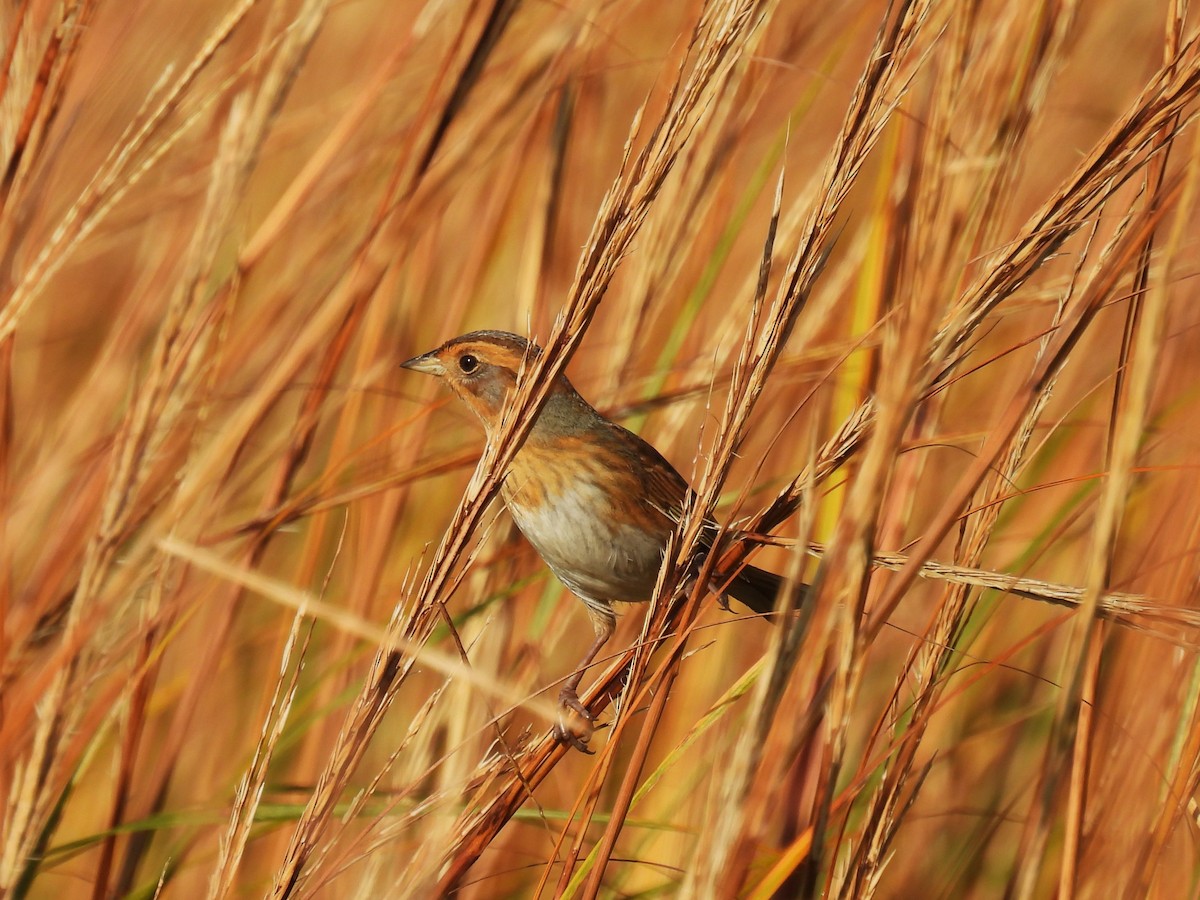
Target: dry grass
903, 288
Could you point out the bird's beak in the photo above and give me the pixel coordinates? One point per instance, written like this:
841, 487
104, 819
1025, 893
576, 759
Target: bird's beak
427, 363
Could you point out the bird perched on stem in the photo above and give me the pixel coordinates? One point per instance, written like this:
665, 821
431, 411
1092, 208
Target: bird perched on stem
597, 502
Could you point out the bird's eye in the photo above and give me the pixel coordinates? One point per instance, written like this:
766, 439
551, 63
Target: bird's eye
468, 363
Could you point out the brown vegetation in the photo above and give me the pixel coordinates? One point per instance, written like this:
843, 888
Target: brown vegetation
902, 288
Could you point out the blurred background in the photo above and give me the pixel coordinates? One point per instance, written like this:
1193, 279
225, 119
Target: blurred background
225, 223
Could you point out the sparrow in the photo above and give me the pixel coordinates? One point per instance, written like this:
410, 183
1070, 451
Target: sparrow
596, 501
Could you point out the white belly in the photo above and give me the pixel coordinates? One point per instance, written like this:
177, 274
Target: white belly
591, 555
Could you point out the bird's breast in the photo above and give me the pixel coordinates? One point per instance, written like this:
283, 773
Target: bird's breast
587, 518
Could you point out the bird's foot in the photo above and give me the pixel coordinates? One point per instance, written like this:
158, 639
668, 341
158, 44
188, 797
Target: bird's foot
575, 724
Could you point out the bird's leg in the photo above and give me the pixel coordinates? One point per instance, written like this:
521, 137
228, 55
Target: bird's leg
577, 730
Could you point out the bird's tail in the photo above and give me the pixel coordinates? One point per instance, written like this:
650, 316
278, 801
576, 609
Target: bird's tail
756, 588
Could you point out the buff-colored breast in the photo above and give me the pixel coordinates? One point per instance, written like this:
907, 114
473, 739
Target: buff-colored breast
587, 519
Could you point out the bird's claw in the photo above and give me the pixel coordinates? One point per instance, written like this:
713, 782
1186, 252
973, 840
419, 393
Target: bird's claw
575, 723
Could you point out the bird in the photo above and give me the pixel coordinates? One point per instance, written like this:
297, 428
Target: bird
597, 502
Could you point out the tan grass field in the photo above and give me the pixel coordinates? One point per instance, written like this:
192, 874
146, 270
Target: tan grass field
907, 291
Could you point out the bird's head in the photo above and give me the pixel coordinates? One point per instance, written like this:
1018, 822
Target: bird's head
482, 368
